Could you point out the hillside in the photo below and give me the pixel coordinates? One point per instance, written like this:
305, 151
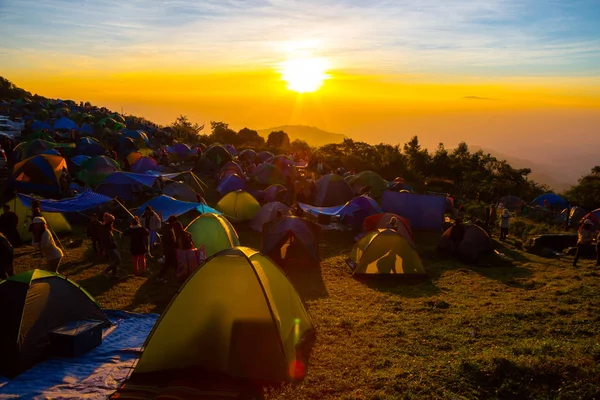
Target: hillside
312, 135
544, 174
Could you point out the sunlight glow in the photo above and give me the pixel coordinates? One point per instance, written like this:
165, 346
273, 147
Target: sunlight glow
304, 75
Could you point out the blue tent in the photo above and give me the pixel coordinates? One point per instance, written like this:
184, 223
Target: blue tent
78, 160
554, 200
65, 123
276, 241
80, 202
88, 146
353, 212
125, 185
86, 129
424, 212
167, 206
231, 183
137, 136
37, 126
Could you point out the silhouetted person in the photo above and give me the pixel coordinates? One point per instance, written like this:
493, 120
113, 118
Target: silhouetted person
584, 239
9, 226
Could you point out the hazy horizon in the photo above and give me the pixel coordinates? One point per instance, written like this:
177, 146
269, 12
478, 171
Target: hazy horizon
522, 78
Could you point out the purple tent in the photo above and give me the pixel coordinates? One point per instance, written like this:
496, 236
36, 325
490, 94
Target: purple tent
231, 183
144, 164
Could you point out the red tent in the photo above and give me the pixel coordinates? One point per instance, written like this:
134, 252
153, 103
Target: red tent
380, 221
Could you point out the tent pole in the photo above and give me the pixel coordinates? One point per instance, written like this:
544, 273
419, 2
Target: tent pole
200, 184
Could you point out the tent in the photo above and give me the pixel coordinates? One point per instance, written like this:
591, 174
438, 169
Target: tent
139, 137
423, 211
357, 209
368, 178
265, 155
332, 190
125, 185
237, 314
65, 124
239, 206
285, 164
291, 237
86, 129
96, 169
475, 242
144, 164
81, 202
231, 168
272, 192
37, 126
217, 155
574, 214
386, 252
39, 174
594, 216
133, 157
510, 202
268, 213
78, 160
268, 174
214, 232
231, 183
230, 149
181, 151
31, 148
180, 191
21, 206
88, 146
167, 206
247, 156
380, 221
34, 303
554, 200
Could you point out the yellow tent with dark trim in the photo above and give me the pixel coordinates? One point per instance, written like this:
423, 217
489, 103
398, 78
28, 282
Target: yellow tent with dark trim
214, 232
56, 221
237, 314
239, 206
386, 252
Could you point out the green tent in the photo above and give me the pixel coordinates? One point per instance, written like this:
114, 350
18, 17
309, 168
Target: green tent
33, 304
95, 169
56, 221
239, 206
237, 314
368, 178
213, 232
386, 252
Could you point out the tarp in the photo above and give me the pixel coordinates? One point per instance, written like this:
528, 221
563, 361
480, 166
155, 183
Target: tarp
424, 212
331, 211
94, 375
80, 202
129, 178
354, 211
167, 206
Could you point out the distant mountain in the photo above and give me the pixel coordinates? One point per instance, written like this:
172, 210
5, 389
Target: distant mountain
310, 134
550, 175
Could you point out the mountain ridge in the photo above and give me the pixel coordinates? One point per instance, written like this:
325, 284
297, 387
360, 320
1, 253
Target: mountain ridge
311, 134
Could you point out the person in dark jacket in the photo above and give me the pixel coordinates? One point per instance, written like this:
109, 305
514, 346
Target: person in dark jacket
139, 246
183, 239
93, 232
9, 223
109, 246
169, 250
6, 258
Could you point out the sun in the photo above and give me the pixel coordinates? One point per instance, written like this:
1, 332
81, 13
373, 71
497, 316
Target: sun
304, 75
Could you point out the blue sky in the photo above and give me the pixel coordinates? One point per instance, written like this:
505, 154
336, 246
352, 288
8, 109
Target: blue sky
449, 37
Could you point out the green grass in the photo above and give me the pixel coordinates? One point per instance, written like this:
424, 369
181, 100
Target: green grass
514, 327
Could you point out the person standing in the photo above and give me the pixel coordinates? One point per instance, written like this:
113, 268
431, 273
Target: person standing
138, 246
504, 223
93, 232
585, 238
6, 258
169, 248
9, 226
45, 241
151, 221
109, 246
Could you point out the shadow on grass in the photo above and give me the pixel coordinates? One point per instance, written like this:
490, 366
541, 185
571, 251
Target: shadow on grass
403, 287
307, 278
153, 296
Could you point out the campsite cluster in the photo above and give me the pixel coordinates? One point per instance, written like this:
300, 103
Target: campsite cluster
79, 167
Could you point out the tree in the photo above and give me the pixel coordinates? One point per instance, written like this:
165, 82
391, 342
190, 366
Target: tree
185, 130
587, 191
222, 134
301, 148
249, 137
278, 140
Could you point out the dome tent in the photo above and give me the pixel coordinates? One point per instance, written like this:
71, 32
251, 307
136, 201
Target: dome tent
554, 200
208, 326
385, 252
268, 213
371, 179
239, 206
574, 214
34, 303
39, 174
268, 174
214, 232
88, 146
55, 220
231, 183
291, 238
380, 221
475, 242
332, 190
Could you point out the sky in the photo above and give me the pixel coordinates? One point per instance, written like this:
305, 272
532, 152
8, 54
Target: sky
511, 75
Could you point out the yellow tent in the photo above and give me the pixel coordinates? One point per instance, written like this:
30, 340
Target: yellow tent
214, 232
237, 314
239, 206
385, 251
56, 221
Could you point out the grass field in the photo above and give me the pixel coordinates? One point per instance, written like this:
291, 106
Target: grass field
514, 327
